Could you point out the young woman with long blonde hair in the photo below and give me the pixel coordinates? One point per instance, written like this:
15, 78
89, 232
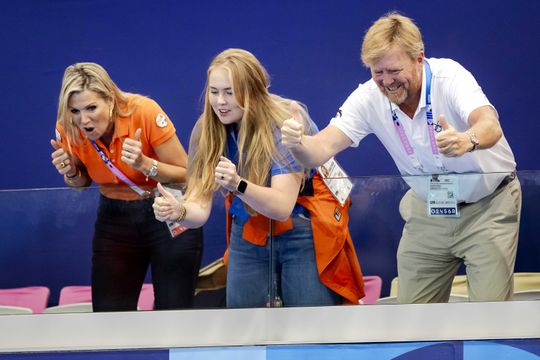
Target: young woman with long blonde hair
235, 146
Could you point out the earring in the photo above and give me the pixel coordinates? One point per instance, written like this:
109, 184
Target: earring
110, 113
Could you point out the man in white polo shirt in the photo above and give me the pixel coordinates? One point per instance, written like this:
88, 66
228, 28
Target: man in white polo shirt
445, 138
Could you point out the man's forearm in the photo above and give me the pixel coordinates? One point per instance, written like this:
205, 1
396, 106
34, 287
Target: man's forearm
310, 153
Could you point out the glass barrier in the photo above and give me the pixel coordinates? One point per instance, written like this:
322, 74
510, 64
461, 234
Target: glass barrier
47, 239
466, 209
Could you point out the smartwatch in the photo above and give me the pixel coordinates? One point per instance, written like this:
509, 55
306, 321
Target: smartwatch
241, 187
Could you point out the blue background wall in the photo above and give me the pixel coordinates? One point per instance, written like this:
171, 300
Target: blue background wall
311, 49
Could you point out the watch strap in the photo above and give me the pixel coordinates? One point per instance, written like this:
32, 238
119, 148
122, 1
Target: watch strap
474, 139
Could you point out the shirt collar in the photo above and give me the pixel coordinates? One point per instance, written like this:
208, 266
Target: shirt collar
121, 127
422, 102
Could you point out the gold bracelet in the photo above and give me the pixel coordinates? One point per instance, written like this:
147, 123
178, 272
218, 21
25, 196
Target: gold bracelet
183, 212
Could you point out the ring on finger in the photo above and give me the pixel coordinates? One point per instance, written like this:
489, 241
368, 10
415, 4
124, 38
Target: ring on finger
62, 165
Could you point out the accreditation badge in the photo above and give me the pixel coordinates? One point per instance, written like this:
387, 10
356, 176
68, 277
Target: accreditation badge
336, 180
175, 228
442, 196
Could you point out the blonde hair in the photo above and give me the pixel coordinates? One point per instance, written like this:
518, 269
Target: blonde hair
87, 76
264, 113
389, 30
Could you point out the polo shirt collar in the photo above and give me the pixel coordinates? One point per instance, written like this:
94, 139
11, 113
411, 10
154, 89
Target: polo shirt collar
422, 102
121, 127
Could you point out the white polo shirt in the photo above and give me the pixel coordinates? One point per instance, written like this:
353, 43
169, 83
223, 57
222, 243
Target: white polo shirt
454, 93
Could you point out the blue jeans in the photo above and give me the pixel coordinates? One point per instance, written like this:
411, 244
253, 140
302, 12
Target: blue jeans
295, 269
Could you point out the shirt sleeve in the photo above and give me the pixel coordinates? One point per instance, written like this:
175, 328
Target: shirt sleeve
284, 162
464, 93
351, 116
159, 127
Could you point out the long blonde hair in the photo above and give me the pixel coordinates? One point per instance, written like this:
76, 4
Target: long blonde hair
264, 113
88, 76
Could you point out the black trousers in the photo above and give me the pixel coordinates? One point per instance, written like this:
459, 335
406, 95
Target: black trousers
127, 239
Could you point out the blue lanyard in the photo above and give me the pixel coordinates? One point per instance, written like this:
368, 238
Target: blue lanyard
232, 143
432, 128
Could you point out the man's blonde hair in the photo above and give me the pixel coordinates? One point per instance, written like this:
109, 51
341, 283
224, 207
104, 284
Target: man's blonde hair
389, 30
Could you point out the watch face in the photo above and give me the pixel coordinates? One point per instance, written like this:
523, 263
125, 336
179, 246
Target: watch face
474, 140
153, 170
242, 185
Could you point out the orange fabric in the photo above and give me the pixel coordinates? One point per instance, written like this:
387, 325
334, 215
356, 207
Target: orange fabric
260, 227
144, 115
336, 258
337, 262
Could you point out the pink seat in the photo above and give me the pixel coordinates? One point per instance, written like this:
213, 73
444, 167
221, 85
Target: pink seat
32, 297
146, 298
82, 294
372, 288
75, 295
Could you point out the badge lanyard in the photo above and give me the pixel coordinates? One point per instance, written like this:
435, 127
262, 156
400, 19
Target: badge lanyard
120, 174
232, 146
432, 128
